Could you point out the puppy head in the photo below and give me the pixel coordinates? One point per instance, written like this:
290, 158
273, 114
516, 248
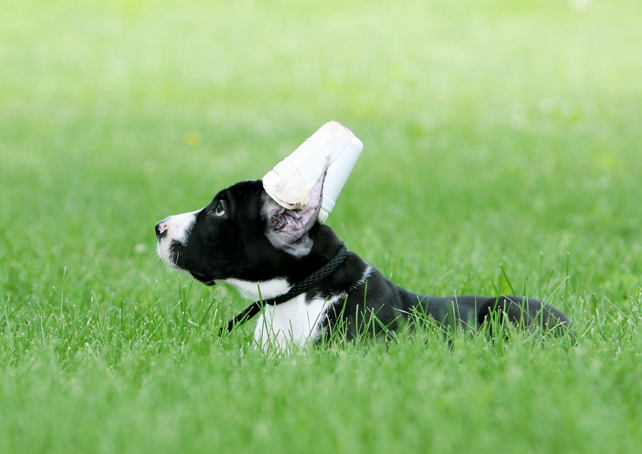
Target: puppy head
241, 234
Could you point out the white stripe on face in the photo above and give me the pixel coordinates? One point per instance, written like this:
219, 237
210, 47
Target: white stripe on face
177, 229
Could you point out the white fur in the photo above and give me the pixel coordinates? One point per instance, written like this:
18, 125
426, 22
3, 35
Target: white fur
268, 289
178, 229
364, 278
295, 322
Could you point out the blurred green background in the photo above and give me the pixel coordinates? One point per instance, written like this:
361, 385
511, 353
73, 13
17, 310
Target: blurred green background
502, 154
493, 131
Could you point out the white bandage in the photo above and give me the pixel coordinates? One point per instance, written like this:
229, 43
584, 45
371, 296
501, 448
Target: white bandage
333, 148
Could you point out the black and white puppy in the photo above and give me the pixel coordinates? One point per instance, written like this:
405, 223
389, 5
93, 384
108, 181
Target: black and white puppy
246, 239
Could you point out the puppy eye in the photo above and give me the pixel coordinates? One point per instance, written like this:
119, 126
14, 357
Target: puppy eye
219, 211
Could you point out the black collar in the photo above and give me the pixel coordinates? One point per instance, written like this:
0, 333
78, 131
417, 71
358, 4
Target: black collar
298, 288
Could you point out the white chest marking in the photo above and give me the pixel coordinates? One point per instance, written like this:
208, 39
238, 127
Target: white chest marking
267, 289
293, 322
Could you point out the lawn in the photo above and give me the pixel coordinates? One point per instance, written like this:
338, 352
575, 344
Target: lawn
501, 155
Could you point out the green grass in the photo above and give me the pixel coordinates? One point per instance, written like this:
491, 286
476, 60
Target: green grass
502, 150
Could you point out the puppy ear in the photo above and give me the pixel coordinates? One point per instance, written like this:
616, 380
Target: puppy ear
287, 229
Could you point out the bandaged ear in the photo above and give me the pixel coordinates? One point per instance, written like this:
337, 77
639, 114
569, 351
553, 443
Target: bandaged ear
297, 222
288, 229
332, 150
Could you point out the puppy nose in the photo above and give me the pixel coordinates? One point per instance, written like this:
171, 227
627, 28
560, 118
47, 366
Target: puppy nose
161, 229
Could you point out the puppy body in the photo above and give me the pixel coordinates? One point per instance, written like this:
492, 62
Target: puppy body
245, 239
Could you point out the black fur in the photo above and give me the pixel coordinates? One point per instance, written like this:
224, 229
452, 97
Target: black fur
237, 245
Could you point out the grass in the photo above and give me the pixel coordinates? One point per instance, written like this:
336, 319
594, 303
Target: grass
502, 152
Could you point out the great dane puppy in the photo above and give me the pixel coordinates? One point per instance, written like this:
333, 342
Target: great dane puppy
308, 282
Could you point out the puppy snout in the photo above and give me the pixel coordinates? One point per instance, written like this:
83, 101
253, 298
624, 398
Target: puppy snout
161, 229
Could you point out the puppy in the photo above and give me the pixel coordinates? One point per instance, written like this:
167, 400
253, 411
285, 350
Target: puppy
305, 282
